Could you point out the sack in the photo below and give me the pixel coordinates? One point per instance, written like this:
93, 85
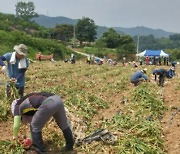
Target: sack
98, 135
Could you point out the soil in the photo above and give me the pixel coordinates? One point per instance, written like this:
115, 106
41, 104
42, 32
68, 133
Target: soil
171, 120
170, 126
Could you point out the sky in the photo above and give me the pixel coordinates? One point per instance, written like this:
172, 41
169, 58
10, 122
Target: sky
156, 14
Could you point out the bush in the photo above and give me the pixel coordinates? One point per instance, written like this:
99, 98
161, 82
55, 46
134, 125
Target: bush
9, 39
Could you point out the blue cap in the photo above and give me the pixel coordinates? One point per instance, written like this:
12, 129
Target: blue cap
154, 71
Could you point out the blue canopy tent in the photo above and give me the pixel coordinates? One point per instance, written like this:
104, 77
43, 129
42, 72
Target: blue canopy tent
153, 53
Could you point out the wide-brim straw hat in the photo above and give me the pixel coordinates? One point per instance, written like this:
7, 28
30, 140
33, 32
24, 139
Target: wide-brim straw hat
144, 70
21, 49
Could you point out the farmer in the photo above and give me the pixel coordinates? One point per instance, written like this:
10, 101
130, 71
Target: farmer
39, 56
73, 59
88, 59
147, 60
173, 64
17, 64
140, 61
124, 61
37, 109
171, 73
134, 64
138, 77
162, 74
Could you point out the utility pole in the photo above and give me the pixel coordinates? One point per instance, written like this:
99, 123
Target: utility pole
137, 51
74, 35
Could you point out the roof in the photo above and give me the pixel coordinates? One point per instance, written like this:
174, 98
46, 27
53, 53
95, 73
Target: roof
159, 53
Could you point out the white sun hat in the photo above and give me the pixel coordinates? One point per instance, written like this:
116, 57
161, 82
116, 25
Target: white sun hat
21, 49
144, 70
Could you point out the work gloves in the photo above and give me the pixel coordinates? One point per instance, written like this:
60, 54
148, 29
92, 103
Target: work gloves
3, 69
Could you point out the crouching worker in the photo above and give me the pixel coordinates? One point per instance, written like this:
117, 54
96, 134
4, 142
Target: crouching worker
37, 109
138, 77
171, 72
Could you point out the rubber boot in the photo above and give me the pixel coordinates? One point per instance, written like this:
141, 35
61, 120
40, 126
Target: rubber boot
69, 139
38, 142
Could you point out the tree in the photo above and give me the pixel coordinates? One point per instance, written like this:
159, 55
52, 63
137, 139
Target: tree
63, 32
111, 38
123, 43
127, 43
175, 37
147, 42
86, 30
25, 10
114, 40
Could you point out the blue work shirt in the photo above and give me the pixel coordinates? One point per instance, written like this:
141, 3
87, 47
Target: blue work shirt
162, 72
14, 72
137, 75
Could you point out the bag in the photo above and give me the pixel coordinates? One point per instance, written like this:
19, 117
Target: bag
98, 135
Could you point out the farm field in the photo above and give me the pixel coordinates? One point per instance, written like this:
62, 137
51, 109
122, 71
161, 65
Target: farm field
101, 97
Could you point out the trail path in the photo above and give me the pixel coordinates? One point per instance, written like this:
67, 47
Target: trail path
84, 54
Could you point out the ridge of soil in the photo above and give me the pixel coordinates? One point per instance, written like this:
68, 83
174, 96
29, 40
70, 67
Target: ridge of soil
171, 131
171, 127
171, 93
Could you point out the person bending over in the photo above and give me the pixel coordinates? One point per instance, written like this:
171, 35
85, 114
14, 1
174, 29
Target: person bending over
162, 73
37, 109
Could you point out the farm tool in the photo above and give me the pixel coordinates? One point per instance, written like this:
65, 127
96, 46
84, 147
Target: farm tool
99, 135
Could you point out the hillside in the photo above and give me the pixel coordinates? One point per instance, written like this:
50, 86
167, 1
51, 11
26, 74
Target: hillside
15, 31
52, 21
144, 31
